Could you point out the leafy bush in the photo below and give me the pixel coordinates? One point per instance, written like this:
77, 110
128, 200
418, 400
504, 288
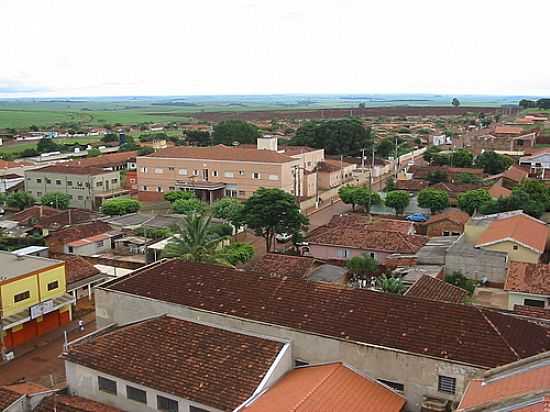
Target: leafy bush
120, 206
181, 195
188, 206
56, 199
236, 253
154, 233
458, 279
20, 200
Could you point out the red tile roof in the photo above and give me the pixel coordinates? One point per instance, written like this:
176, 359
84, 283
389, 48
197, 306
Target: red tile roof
509, 130
332, 387
516, 174
455, 188
522, 229
205, 364
66, 217
503, 384
5, 164
33, 214
532, 311
8, 397
77, 268
69, 170
105, 160
453, 215
331, 165
427, 287
497, 190
461, 333
528, 278
374, 240
81, 231
221, 152
283, 265
90, 239
412, 185
66, 403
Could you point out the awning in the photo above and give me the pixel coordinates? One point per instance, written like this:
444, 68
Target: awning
24, 316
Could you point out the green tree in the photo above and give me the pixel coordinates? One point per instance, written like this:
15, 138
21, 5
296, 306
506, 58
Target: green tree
195, 242
493, 163
230, 131
391, 284
110, 138
20, 200
399, 200
362, 266
198, 138
272, 211
385, 148
46, 145
120, 206
527, 104
390, 185
462, 158
458, 279
347, 195
238, 253
228, 209
537, 191
56, 199
543, 103
467, 178
367, 198
472, 200
437, 176
94, 152
183, 195
188, 206
455, 102
430, 152
144, 151
433, 199
345, 136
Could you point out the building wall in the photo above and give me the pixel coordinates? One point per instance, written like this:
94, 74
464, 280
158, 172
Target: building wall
83, 382
418, 374
332, 252
518, 298
310, 159
160, 174
521, 254
437, 229
89, 249
476, 264
82, 188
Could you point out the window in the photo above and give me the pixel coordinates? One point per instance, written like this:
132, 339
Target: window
256, 175
53, 285
143, 170
241, 172
159, 171
273, 177
71, 249
69, 182
166, 404
195, 172
394, 385
515, 247
372, 255
58, 182
145, 188
48, 181
106, 385
183, 172
136, 394
38, 180
242, 193
38, 194
171, 188
343, 253
196, 409
230, 193
114, 180
228, 174
533, 302
215, 173
159, 189
99, 184
446, 384
171, 169
80, 197
99, 243
21, 296
79, 184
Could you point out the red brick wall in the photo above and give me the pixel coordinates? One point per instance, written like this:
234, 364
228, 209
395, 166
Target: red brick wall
150, 196
437, 229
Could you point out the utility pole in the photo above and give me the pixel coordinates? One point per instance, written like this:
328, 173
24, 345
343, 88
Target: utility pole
396, 158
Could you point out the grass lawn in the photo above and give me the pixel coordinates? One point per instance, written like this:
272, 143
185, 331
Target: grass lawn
19, 147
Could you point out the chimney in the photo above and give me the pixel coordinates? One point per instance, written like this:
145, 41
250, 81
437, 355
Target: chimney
267, 142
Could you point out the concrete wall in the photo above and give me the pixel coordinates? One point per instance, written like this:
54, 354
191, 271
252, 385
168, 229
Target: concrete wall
331, 252
418, 374
89, 249
521, 254
517, 298
82, 381
437, 229
475, 264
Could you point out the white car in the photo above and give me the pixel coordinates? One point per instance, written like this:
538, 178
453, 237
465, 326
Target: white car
283, 237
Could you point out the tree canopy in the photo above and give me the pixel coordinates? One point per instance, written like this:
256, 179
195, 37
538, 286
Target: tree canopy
359, 196
362, 266
385, 148
228, 209
346, 136
433, 199
188, 206
455, 102
198, 137
238, 253
399, 200
177, 195
272, 211
472, 200
20, 200
120, 206
56, 199
493, 163
230, 131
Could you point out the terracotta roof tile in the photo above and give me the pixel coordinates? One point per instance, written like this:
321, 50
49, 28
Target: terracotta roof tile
532, 311
34, 213
509, 130
77, 268
105, 160
66, 217
26, 388
512, 381
78, 232
427, 287
455, 188
528, 278
521, 228
221, 152
443, 330
8, 397
331, 165
412, 185
332, 387
186, 359
66, 403
497, 190
516, 174
68, 170
453, 215
283, 265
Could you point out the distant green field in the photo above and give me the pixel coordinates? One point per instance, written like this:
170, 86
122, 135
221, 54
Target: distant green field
17, 148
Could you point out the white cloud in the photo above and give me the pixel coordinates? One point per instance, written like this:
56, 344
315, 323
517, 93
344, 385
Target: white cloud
121, 47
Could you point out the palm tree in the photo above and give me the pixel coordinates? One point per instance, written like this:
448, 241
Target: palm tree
196, 242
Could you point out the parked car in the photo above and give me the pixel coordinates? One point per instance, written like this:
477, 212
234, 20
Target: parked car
417, 217
283, 237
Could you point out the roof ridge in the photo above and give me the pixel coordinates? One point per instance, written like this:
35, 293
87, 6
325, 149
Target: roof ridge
499, 333
316, 387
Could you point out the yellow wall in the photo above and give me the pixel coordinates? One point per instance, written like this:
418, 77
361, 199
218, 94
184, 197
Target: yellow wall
472, 232
37, 285
522, 254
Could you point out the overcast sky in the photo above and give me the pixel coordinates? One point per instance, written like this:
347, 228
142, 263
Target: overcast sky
189, 47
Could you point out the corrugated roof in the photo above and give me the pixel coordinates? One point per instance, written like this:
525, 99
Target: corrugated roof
461, 333
332, 387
